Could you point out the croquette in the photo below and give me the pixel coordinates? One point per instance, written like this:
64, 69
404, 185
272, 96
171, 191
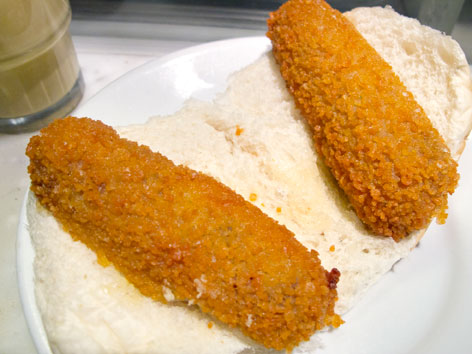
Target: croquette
380, 146
169, 228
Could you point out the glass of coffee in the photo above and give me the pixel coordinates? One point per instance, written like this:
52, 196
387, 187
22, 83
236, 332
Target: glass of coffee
40, 77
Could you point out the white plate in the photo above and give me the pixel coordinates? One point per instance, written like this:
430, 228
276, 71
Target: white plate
423, 306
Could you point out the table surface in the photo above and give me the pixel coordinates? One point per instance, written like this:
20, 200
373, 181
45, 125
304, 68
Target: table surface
120, 56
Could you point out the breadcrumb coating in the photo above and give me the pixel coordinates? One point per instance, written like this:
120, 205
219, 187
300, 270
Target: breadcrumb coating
163, 225
379, 144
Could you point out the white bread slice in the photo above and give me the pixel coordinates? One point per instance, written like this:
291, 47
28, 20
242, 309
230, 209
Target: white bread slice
93, 309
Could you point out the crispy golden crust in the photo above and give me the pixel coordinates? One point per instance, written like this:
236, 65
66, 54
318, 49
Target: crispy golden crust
162, 224
377, 141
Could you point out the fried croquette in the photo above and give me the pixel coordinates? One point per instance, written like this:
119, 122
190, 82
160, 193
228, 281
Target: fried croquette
169, 228
382, 149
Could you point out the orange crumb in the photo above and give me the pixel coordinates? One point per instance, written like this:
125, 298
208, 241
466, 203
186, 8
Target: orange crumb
253, 197
239, 130
210, 324
338, 321
279, 209
331, 248
102, 260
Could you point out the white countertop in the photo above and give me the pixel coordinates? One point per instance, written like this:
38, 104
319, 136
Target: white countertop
102, 60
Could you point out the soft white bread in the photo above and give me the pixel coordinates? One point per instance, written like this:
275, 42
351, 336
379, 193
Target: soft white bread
252, 139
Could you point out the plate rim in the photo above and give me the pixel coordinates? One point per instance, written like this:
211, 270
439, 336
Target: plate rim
159, 61
25, 274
